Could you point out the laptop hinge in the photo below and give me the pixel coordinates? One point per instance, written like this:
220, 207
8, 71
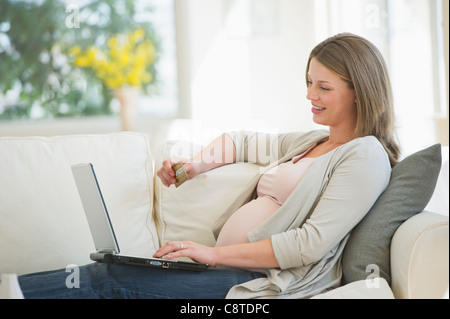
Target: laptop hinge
106, 251
102, 257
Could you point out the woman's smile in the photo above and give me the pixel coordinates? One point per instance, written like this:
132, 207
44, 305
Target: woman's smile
317, 110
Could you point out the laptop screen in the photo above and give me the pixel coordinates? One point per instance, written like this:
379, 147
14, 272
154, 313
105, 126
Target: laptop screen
95, 209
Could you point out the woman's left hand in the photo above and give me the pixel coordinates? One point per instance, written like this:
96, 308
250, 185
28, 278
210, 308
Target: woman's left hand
197, 252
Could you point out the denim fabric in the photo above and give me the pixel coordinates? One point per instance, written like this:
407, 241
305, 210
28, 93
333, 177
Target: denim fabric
103, 280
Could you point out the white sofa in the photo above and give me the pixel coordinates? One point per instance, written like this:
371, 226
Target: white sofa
43, 226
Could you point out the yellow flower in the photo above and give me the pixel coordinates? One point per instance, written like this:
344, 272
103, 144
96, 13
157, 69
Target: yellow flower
137, 35
112, 42
147, 77
124, 59
75, 50
82, 61
124, 62
133, 79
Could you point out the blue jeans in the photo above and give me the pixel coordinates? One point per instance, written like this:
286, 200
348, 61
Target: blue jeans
104, 280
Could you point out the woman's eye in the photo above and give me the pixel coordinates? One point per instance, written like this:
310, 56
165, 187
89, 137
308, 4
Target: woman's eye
309, 83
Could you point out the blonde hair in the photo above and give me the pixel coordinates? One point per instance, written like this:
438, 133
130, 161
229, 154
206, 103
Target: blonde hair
359, 63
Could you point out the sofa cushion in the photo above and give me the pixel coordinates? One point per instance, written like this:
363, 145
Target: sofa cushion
376, 288
43, 225
187, 212
411, 186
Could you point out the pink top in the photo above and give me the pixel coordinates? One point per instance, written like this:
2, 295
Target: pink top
273, 189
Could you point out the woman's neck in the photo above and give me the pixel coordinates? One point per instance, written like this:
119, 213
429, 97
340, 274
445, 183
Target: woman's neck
339, 137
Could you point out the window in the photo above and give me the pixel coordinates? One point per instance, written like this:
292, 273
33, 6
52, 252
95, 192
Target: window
39, 79
165, 103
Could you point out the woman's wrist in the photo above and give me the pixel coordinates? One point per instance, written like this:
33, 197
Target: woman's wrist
250, 255
192, 168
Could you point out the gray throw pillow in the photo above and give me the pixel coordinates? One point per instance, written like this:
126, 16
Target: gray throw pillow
411, 186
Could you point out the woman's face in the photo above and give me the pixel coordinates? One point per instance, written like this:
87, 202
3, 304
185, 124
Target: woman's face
334, 103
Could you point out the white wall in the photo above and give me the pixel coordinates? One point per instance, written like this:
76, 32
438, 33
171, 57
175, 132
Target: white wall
278, 64
443, 124
243, 66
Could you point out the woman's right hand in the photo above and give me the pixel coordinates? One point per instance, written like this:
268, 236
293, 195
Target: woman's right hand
167, 174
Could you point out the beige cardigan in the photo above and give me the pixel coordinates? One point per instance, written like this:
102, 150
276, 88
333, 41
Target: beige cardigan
310, 229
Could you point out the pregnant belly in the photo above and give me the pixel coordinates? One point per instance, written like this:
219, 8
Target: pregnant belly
245, 219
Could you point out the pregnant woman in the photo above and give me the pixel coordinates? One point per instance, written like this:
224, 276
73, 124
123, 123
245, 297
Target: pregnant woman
288, 240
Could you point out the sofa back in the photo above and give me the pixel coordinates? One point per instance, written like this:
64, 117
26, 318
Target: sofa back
42, 222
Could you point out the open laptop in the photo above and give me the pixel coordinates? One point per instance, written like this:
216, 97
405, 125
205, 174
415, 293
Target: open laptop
105, 241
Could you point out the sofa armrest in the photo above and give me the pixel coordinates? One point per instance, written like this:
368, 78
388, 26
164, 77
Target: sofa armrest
420, 257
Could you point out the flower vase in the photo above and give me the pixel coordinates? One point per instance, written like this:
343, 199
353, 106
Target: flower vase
127, 98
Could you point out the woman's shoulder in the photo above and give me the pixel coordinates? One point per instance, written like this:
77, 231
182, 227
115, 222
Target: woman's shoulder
368, 148
313, 134
294, 143
369, 142
293, 139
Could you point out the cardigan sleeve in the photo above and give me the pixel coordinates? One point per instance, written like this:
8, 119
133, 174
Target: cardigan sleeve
356, 181
265, 149
255, 147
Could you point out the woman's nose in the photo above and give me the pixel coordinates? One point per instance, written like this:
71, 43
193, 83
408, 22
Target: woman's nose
311, 94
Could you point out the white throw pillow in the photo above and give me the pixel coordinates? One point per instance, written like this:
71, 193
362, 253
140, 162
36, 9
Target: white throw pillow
43, 225
187, 212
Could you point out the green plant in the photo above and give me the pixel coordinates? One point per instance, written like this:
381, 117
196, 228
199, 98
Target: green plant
34, 43
26, 59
